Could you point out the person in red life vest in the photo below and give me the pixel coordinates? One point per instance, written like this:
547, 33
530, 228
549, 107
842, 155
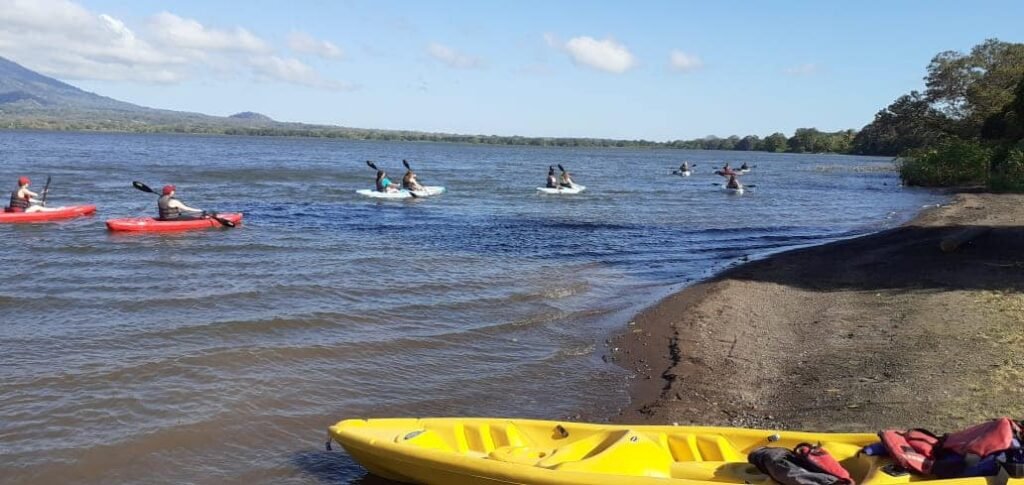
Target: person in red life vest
172, 209
23, 199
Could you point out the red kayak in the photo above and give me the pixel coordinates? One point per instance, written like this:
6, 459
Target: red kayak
55, 214
149, 224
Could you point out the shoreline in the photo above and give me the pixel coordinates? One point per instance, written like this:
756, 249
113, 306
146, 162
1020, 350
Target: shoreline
883, 330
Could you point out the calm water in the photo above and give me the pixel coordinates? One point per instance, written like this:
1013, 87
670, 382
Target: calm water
222, 356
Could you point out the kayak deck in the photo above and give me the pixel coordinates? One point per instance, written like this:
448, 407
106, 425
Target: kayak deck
54, 214
149, 224
402, 194
483, 450
575, 189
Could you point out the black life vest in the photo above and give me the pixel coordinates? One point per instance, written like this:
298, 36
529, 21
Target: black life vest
18, 204
167, 212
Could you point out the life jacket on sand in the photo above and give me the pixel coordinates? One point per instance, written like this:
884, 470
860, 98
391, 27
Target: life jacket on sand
913, 450
790, 468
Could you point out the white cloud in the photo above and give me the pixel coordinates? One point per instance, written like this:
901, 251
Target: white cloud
65, 40
683, 62
605, 55
59, 37
453, 58
177, 32
802, 70
304, 43
294, 71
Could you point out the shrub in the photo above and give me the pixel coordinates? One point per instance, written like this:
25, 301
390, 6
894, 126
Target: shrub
953, 162
1008, 174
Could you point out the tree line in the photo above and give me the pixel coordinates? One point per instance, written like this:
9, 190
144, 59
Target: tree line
966, 128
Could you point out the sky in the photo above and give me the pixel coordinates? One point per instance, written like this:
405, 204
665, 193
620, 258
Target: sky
656, 70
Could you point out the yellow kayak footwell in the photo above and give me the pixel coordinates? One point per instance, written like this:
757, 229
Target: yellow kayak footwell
456, 451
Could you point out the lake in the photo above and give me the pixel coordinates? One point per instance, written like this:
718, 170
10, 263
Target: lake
222, 356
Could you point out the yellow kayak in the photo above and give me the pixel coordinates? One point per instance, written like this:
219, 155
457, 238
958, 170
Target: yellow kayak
456, 451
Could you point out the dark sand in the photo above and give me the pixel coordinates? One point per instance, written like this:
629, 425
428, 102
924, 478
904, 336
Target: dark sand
880, 331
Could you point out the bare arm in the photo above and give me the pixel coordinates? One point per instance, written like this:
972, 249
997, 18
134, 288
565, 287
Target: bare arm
177, 204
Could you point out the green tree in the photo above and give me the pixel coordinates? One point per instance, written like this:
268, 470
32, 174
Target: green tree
970, 88
747, 143
909, 122
776, 142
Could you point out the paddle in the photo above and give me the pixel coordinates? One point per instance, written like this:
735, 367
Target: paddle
213, 215
371, 164
46, 190
747, 186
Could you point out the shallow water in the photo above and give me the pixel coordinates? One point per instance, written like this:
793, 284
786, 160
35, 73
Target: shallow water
221, 356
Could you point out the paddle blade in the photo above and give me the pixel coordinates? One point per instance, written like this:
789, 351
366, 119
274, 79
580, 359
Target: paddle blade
143, 187
560, 167
406, 163
372, 165
224, 222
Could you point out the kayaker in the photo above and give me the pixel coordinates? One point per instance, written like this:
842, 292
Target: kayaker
409, 181
24, 200
565, 180
726, 171
733, 183
552, 180
172, 209
685, 167
384, 184
744, 166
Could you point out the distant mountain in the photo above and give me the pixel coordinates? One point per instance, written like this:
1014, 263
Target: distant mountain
249, 115
29, 100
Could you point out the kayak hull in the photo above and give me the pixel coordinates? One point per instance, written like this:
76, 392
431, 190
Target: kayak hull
455, 451
729, 191
683, 173
428, 191
57, 214
562, 190
149, 224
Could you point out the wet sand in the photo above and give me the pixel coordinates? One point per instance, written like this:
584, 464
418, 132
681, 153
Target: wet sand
885, 330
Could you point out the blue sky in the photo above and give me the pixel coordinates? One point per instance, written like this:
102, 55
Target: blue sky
533, 68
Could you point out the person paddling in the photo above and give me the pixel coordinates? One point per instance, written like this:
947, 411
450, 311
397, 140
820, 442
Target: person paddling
565, 180
685, 167
384, 184
744, 166
23, 199
726, 171
409, 181
172, 209
734, 183
552, 179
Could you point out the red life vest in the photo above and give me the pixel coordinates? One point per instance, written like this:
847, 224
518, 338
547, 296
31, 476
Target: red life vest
819, 457
914, 450
983, 439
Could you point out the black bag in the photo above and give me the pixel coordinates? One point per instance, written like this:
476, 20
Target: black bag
787, 468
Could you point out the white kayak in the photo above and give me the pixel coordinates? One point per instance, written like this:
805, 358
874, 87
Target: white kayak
402, 194
730, 191
684, 173
743, 170
575, 189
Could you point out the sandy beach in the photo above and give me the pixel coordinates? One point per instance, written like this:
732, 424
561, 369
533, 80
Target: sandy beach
886, 330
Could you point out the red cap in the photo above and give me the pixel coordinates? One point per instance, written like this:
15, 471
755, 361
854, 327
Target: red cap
23, 180
168, 189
